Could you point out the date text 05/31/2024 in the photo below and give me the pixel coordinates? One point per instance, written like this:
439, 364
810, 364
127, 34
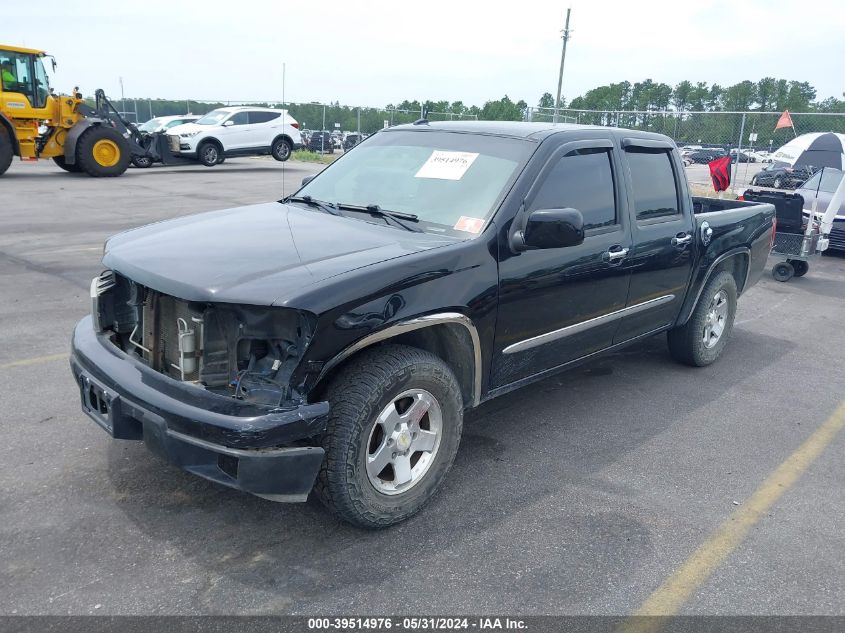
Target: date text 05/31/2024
413, 624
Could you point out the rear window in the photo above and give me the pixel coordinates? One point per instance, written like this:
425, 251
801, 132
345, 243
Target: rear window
653, 181
263, 117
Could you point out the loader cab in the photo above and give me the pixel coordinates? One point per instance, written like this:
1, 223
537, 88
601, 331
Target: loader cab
24, 85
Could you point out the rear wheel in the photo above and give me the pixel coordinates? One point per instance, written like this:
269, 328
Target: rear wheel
777, 183
393, 431
102, 152
61, 162
281, 149
702, 338
783, 271
799, 266
6, 151
208, 154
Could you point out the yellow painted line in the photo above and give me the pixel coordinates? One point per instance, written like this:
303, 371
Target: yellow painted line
668, 599
33, 361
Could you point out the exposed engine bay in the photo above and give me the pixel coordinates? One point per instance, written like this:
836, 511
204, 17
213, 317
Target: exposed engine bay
246, 352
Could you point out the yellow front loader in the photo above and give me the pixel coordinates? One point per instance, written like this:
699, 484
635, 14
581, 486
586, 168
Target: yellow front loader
37, 123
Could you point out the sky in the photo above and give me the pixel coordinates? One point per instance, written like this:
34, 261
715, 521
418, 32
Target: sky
379, 52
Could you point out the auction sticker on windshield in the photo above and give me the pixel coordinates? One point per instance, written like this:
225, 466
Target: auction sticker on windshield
470, 225
446, 165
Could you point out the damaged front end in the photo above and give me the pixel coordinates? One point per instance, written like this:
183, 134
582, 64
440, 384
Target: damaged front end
206, 386
246, 352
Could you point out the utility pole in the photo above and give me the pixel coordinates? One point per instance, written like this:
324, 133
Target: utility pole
562, 60
122, 98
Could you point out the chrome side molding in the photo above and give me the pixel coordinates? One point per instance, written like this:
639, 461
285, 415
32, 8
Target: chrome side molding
576, 328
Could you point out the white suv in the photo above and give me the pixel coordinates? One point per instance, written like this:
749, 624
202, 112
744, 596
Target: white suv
236, 131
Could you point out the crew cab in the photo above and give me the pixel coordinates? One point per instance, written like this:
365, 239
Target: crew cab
236, 131
333, 339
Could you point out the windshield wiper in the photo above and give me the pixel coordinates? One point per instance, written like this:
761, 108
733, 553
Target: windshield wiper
395, 217
311, 202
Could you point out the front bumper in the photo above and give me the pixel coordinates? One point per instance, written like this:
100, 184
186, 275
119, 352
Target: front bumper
237, 444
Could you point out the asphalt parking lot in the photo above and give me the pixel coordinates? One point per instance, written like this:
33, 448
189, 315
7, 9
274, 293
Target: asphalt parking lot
579, 495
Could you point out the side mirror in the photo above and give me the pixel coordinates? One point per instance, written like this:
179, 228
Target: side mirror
551, 228
307, 179
228, 123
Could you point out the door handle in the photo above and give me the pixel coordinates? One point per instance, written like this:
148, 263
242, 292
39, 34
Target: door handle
681, 239
616, 256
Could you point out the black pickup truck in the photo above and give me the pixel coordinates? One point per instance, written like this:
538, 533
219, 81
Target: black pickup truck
332, 340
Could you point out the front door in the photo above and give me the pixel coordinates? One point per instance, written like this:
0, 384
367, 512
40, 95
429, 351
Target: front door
663, 232
556, 305
235, 136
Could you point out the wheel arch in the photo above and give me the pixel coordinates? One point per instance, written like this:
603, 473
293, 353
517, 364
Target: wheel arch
737, 262
282, 136
211, 139
451, 336
7, 124
74, 134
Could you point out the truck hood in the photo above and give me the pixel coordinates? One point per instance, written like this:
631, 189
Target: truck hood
255, 255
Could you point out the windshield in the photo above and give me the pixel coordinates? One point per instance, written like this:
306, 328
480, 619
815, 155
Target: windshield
215, 117
452, 182
826, 181
151, 125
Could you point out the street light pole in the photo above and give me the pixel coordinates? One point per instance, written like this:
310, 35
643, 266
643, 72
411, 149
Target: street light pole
562, 60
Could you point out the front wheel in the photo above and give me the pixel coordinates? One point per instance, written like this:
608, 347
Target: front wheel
777, 183
783, 271
142, 162
102, 152
393, 431
281, 149
208, 154
702, 338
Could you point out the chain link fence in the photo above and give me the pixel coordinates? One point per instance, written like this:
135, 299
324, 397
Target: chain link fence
753, 134
310, 115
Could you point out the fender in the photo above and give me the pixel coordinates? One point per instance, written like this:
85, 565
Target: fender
742, 251
16, 148
415, 324
73, 137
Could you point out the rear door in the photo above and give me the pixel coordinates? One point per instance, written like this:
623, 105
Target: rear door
559, 304
660, 262
262, 127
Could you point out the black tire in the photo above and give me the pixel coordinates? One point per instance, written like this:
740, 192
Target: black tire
208, 153
783, 271
7, 152
753, 181
799, 266
686, 343
142, 162
358, 394
221, 160
281, 149
777, 183
61, 162
113, 163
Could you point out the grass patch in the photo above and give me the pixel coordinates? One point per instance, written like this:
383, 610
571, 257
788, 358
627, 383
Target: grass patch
305, 156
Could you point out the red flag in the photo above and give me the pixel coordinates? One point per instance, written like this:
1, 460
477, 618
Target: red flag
784, 121
720, 172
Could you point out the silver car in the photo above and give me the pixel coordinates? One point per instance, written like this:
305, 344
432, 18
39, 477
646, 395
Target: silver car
821, 187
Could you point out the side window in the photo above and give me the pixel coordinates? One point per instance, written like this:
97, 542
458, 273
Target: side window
263, 117
583, 180
240, 118
653, 180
